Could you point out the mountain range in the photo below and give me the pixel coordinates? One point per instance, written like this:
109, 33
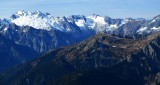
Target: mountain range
42, 32
78, 50
109, 59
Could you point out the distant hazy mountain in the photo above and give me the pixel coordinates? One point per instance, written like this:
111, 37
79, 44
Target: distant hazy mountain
42, 32
117, 60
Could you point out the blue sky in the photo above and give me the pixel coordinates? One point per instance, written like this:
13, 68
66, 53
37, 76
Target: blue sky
113, 8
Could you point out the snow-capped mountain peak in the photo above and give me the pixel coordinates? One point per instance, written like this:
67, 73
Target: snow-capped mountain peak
36, 19
97, 19
22, 13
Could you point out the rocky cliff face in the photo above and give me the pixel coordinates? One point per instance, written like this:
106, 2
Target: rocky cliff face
148, 61
41, 40
12, 54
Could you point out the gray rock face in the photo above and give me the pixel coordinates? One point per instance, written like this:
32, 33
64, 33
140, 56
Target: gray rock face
148, 61
42, 40
130, 29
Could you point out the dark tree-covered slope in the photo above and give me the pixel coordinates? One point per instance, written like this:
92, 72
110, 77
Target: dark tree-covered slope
125, 60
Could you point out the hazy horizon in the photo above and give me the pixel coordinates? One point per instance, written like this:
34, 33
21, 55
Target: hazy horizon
112, 8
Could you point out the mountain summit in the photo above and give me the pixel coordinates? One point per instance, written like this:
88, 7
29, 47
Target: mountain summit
36, 19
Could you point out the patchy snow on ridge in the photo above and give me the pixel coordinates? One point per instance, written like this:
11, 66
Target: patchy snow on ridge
141, 30
113, 26
80, 23
154, 28
153, 21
